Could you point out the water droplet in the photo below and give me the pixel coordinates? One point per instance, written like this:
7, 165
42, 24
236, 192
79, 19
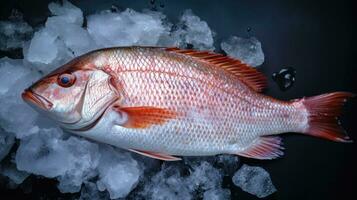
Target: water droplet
153, 6
189, 46
114, 8
285, 78
249, 29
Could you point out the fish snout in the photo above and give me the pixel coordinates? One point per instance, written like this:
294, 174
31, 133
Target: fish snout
37, 100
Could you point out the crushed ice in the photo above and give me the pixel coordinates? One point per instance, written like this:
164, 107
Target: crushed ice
254, 180
14, 32
97, 170
248, 50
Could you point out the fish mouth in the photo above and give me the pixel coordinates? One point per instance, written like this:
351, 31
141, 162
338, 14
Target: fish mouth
35, 99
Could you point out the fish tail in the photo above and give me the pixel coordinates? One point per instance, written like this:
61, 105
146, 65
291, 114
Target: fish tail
323, 112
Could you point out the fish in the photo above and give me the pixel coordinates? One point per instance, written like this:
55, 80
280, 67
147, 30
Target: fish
166, 103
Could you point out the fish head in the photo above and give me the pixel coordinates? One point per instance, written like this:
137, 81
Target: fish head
74, 95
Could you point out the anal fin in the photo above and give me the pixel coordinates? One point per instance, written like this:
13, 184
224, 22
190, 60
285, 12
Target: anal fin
159, 156
264, 148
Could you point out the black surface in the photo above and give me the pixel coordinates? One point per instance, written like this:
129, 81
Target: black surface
317, 38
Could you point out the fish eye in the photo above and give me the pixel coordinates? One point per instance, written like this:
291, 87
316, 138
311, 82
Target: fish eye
66, 80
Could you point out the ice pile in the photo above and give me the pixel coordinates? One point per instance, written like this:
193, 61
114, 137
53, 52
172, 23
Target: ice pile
172, 182
15, 176
248, 50
14, 32
99, 171
61, 39
192, 30
126, 28
254, 180
15, 77
50, 154
90, 191
148, 29
119, 173
6, 142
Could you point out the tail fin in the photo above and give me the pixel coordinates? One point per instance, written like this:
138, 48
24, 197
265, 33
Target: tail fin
323, 111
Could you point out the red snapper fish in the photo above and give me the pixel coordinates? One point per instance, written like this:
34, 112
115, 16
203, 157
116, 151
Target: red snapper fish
167, 102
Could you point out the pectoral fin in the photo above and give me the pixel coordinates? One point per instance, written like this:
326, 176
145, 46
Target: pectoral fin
144, 117
159, 156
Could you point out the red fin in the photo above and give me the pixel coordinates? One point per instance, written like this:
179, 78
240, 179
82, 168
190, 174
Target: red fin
247, 74
264, 148
159, 156
143, 117
323, 112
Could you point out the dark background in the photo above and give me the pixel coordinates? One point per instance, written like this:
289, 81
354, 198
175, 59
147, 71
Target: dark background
317, 38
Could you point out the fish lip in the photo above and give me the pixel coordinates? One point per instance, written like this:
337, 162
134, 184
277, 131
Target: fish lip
31, 97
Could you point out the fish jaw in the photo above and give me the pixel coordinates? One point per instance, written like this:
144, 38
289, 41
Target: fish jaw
36, 100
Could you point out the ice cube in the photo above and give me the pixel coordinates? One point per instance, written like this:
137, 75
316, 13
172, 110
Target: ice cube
15, 79
217, 194
67, 23
6, 142
167, 184
13, 33
60, 40
90, 192
46, 51
205, 176
11, 71
254, 180
11, 116
49, 154
16, 176
192, 30
227, 163
73, 36
67, 12
119, 173
249, 50
84, 157
126, 28
172, 183
43, 48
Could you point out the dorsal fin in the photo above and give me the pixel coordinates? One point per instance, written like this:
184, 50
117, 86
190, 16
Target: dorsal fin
247, 74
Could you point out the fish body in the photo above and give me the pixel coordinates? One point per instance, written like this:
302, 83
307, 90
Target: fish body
167, 102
